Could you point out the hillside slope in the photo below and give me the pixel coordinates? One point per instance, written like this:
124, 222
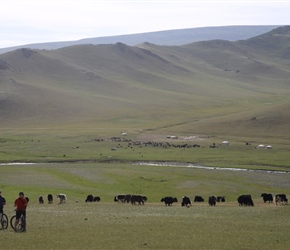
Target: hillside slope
198, 87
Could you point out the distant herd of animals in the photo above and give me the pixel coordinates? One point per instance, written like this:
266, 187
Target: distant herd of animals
243, 200
133, 143
140, 144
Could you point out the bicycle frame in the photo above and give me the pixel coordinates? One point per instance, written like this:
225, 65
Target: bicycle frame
22, 222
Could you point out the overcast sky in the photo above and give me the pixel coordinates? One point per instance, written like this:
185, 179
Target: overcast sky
37, 21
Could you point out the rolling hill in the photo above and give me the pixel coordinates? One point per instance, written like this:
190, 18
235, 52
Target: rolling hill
166, 37
214, 86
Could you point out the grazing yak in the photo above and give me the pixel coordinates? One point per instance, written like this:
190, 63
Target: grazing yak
40, 199
168, 200
198, 199
91, 198
185, 201
220, 198
267, 197
120, 198
62, 198
144, 198
245, 200
127, 198
97, 199
281, 198
50, 198
138, 199
212, 200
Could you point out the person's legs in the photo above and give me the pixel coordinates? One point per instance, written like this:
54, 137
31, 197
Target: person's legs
1, 212
15, 224
18, 215
24, 221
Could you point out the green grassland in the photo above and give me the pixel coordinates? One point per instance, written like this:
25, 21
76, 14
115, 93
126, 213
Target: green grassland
111, 225
119, 226
108, 179
85, 146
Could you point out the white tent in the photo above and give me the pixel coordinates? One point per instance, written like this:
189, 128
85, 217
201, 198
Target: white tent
261, 146
269, 147
225, 143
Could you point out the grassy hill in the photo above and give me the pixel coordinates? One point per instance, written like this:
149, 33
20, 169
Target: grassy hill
212, 86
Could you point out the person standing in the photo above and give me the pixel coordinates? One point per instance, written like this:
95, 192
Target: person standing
20, 203
2, 203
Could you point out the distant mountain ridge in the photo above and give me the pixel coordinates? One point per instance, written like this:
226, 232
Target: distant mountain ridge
167, 37
214, 85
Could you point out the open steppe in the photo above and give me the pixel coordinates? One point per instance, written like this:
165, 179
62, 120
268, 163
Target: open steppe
152, 226
63, 115
111, 225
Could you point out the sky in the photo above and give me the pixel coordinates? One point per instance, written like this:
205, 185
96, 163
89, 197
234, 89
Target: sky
38, 21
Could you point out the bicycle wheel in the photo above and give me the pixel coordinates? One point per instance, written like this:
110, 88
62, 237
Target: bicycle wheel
4, 221
12, 221
20, 226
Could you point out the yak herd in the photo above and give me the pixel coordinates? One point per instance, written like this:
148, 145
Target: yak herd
62, 198
132, 143
212, 200
243, 200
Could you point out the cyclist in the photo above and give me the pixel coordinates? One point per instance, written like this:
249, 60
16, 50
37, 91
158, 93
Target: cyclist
20, 203
2, 203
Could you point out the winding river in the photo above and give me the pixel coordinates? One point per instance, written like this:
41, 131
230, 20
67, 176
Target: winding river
189, 165
172, 164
